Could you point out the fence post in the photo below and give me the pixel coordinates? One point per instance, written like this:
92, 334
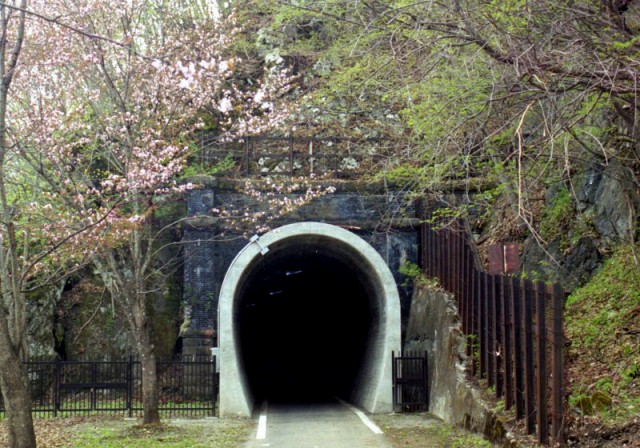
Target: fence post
214, 385
452, 263
425, 367
94, 380
455, 270
507, 357
468, 294
541, 363
489, 330
482, 323
434, 251
475, 310
56, 389
516, 333
130, 386
444, 258
438, 256
527, 322
557, 376
498, 348
394, 376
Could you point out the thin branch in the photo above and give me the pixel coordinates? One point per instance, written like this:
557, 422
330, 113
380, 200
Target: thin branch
91, 317
66, 239
56, 21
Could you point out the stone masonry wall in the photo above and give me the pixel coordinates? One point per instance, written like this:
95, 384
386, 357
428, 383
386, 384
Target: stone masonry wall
208, 255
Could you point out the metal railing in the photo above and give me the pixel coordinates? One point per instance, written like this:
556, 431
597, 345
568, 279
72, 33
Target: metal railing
187, 386
295, 156
514, 329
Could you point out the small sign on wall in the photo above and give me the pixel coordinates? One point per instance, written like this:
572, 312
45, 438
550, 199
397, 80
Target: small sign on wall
215, 352
504, 258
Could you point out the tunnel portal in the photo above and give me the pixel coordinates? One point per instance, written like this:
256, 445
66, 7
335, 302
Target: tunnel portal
307, 312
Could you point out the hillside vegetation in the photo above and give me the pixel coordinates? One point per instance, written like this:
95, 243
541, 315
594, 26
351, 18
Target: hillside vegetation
603, 326
538, 100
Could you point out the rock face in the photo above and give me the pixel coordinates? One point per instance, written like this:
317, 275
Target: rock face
568, 268
434, 327
42, 324
605, 214
609, 195
89, 325
80, 321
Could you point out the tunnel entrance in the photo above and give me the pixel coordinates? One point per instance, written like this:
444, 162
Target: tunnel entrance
303, 320
307, 312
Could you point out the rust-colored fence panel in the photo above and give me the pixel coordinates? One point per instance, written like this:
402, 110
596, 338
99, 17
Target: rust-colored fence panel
514, 327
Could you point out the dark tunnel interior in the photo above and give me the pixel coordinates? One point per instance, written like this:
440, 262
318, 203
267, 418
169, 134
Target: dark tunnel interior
304, 319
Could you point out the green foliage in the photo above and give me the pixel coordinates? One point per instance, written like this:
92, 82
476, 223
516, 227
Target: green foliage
412, 273
442, 215
460, 439
602, 325
168, 208
225, 165
558, 216
402, 175
449, 101
590, 404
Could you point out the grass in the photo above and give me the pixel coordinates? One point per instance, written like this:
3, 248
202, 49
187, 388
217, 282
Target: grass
185, 434
111, 432
603, 326
424, 430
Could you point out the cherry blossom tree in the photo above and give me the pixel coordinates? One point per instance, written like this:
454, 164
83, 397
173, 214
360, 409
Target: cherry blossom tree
14, 246
105, 99
119, 128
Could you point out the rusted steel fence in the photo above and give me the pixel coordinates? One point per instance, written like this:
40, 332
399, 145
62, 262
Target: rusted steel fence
514, 329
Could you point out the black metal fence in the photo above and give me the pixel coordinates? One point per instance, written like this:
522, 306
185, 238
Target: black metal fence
187, 386
514, 328
410, 382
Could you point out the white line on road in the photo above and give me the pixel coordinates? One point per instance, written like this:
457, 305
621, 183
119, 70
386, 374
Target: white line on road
372, 426
262, 422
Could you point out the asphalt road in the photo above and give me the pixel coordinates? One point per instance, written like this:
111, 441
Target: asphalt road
320, 425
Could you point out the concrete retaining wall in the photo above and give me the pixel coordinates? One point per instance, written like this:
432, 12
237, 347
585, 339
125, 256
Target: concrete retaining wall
434, 327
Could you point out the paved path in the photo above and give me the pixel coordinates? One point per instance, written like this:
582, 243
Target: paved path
323, 425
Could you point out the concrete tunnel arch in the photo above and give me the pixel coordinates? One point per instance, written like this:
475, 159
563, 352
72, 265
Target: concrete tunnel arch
369, 277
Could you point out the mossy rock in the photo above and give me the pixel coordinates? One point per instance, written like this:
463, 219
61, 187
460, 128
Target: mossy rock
600, 401
591, 405
584, 406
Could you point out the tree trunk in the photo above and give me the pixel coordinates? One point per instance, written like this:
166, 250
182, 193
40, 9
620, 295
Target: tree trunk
149, 387
149, 375
16, 394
